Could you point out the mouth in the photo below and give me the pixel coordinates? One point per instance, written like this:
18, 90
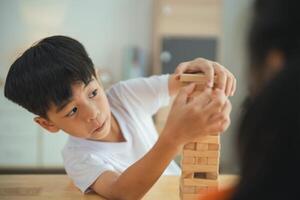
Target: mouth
99, 128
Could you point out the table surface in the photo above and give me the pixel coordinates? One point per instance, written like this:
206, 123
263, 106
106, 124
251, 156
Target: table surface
34, 187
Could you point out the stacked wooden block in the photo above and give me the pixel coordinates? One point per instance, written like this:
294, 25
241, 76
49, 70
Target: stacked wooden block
200, 158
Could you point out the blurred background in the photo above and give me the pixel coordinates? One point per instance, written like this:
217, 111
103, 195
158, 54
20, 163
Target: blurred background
125, 39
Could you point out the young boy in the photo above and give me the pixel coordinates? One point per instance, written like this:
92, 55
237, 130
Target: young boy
113, 146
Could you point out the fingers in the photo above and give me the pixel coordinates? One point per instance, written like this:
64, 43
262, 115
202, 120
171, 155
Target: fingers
218, 127
221, 77
204, 66
182, 68
217, 102
231, 84
221, 121
199, 65
225, 80
201, 99
234, 87
184, 93
224, 114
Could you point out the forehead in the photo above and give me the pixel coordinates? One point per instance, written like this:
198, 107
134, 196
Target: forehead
78, 88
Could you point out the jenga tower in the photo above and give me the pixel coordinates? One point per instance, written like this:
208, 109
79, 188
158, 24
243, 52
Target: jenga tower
200, 158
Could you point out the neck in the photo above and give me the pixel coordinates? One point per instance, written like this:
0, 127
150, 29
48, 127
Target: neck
115, 132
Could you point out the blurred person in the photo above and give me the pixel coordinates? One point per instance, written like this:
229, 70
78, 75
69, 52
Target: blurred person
269, 132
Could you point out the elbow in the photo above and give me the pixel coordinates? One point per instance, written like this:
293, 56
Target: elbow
126, 197
121, 195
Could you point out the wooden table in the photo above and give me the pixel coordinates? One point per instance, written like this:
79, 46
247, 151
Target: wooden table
60, 187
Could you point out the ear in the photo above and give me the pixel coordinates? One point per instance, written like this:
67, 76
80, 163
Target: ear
46, 124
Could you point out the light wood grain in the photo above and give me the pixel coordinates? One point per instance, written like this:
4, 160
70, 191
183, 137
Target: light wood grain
213, 154
60, 187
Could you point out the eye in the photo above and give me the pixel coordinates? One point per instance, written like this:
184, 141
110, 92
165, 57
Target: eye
72, 112
94, 93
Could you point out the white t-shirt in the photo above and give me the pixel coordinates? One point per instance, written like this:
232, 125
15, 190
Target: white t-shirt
133, 103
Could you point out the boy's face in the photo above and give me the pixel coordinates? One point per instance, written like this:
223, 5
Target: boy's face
86, 115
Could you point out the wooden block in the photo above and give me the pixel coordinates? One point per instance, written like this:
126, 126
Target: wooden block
209, 139
201, 153
187, 174
201, 189
215, 134
200, 182
189, 189
199, 87
202, 146
199, 175
198, 78
189, 160
212, 175
213, 147
213, 161
202, 160
190, 196
191, 146
200, 168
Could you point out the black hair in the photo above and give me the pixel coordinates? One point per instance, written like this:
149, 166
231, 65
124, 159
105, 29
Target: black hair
44, 73
269, 132
274, 26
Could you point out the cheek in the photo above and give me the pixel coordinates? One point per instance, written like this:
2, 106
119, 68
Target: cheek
76, 128
73, 125
103, 105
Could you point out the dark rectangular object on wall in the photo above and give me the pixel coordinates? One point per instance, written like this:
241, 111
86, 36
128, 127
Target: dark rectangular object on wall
179, 49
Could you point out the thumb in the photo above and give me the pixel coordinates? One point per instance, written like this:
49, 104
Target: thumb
184, 93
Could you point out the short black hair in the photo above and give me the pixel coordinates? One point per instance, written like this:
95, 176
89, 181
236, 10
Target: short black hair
44, 73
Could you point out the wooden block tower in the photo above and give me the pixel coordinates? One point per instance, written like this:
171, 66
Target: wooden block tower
200, 158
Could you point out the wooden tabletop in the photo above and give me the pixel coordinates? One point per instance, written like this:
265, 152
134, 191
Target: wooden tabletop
36, 187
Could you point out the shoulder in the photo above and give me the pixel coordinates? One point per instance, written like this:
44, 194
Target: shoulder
82, 164
140, 95
140, 82
77, 150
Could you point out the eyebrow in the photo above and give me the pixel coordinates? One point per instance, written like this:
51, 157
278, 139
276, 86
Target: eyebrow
66, 102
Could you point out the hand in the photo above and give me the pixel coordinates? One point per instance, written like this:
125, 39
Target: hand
224, 80
190, 118
222, 119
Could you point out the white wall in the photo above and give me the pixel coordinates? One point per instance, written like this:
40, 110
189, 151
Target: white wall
105, 27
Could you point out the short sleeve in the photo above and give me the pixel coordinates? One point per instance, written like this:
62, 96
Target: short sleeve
84, 170
146, 94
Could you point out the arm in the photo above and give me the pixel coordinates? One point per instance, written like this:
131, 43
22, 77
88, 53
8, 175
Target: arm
134, 182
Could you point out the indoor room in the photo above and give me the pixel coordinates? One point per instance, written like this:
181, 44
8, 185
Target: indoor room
145, 99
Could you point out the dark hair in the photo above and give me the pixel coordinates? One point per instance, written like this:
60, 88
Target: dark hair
44, 73
274, 27
269, 132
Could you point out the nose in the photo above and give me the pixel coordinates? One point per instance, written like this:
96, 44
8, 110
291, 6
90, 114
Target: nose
90, 112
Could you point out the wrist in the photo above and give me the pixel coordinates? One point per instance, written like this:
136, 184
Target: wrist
169, 139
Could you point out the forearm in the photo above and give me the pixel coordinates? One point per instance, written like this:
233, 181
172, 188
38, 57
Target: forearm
134, 182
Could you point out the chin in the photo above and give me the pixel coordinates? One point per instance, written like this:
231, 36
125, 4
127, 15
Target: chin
100, 135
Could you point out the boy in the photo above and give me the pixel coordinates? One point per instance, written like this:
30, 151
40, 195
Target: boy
113, 147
